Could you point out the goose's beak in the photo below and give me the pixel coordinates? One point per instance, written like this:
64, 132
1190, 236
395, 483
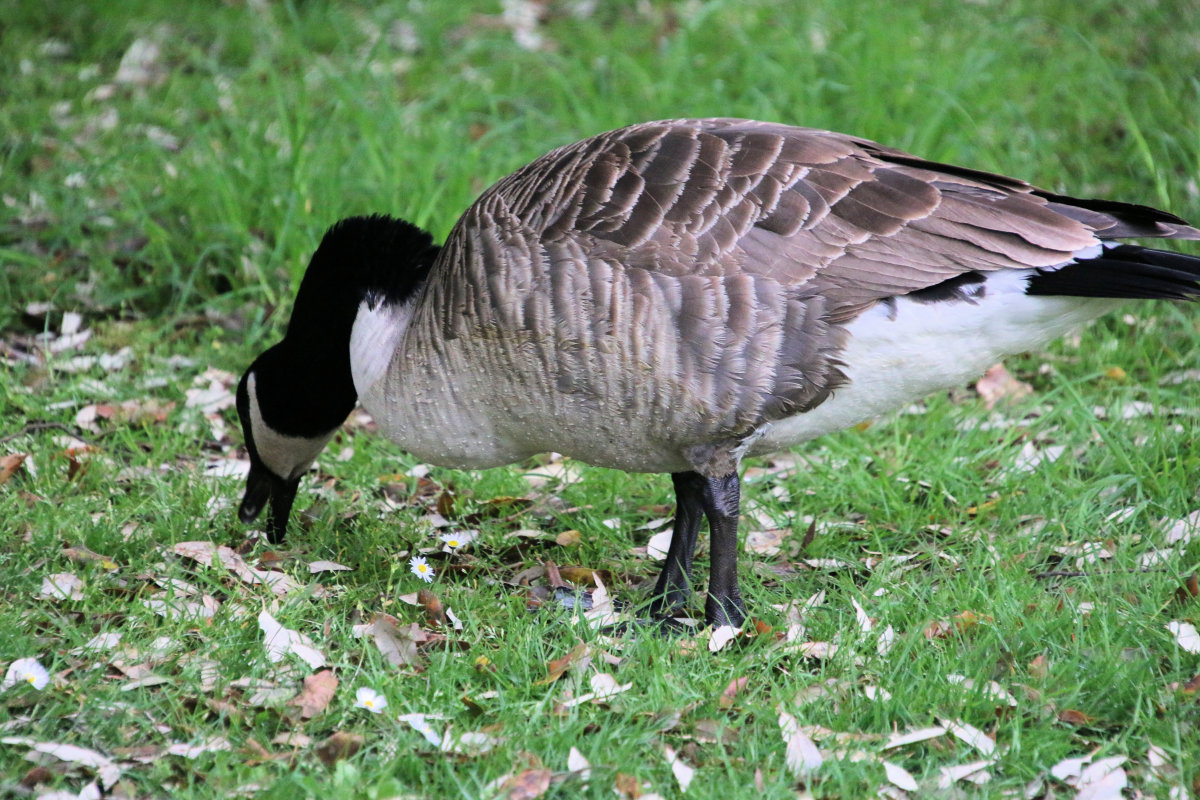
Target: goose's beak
262, 486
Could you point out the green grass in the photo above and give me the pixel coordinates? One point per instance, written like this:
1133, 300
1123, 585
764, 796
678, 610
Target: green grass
279, 119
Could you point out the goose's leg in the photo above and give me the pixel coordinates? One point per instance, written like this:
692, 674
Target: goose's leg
720, 500
673, 588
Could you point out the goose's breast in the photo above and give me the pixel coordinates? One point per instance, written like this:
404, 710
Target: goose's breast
902, 350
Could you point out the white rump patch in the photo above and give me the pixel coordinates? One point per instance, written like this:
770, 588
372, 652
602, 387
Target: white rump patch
373, 340
899, 353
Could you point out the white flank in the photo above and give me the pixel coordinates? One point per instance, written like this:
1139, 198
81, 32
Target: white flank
899, 353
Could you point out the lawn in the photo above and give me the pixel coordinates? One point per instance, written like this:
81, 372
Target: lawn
986, 596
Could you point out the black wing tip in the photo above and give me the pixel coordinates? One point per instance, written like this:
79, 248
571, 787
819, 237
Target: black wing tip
1123, 272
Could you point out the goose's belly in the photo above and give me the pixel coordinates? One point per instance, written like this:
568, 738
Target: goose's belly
898, 354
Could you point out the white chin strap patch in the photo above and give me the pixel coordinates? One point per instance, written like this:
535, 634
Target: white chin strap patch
289, 457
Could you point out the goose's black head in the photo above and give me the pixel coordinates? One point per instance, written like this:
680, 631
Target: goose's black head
295, 396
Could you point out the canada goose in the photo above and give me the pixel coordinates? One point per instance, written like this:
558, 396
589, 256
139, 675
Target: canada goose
673, 296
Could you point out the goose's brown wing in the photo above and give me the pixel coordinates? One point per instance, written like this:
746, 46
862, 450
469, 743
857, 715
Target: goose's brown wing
709, 264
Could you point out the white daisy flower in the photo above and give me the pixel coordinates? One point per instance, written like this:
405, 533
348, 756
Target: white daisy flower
453, 541
421, 569
371, 700
26, 670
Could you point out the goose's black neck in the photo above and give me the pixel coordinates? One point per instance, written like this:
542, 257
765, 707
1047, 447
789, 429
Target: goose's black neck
304, 383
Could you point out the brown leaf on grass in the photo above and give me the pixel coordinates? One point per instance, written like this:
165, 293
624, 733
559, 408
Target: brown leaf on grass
435, 612
81, 555
10, 464
959, 623
627, 786
1190, 589
578, 658
569, 538
339, 746
997, 384
1040, 667
1072, 717
1192, 686
731, 691
397, 644
527, 785
148, 411
584, 576
318, 691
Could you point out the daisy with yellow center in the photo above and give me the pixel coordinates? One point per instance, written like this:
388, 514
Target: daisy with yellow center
26, 670
371, 700
421, 569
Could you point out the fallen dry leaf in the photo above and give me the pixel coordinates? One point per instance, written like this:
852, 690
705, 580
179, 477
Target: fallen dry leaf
900, 739
61, 586
578, 765
766, 541
975, 772
10, 464
213, 744
339, 746
326, 566
991, 689
627, 786
527, 785
106, 769
998, 384
1073, 717
959, 623
280, 641
605, 686
1102, 780
721, 636
682, 772
397, 644
318, 691
1185, 635
801, 754
731, 692
1040, 667
435, 612
578, 658
658, 545
569, 538
900, 777
970, 735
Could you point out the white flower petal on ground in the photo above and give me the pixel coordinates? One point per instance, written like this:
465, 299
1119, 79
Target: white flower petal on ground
371, 700
26, 670
420, 724
421, 568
